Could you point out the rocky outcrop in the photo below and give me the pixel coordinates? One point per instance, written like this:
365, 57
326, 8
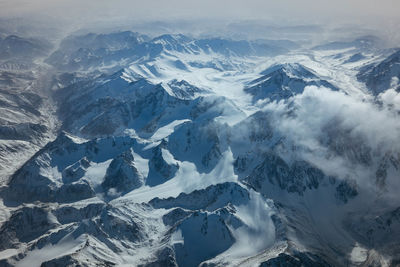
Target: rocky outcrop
297, 259
205, 236
122, 175
26, 224
211, 198
294, 178
160, 170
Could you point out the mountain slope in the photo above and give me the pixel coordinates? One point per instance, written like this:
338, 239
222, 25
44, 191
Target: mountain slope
382, 76
283, 81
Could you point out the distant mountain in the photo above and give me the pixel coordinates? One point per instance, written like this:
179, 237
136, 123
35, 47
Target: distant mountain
287, 44
93, 50
363, 43
16, 47
107, 50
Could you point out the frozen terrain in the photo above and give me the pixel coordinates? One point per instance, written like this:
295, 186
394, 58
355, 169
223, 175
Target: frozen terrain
121, 149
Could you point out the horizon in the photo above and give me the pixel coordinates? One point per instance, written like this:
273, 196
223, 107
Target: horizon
253, 19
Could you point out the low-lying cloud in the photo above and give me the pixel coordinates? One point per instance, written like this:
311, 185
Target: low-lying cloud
343, 135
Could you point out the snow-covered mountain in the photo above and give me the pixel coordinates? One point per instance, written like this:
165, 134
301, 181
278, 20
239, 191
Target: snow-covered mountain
283, 81
382, 76
93, 51
363, 43
26, 120
177, 151
16, 47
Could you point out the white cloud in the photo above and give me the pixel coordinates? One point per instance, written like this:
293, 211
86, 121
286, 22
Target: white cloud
356, 125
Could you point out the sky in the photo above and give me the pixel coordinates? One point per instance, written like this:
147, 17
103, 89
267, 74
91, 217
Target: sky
372, 10
377, 17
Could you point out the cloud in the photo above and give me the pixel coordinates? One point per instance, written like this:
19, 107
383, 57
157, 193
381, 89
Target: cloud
391, 98
318, 107
343, 135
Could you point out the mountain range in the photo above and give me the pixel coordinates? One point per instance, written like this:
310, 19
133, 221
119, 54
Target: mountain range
120, 149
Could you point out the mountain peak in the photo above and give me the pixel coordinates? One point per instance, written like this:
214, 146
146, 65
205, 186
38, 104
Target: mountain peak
290, 69
282, 81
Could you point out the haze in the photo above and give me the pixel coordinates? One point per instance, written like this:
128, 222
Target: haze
369, 10
239, 19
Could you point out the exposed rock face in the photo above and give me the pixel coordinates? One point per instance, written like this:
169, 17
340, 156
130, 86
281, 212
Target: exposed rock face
184, 90
380, 230
174, 216
69, 214
76, 171
22, 131
382, 76
122, 175
95, 110
346, 190
296, 178
25, 225
67, 261
164, 257
200, 142
211, 198
160, 170
74, 192
27, 121
298, 259
200, 231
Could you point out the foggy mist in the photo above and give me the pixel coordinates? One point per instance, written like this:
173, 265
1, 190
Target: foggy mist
382, 13
222, 9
